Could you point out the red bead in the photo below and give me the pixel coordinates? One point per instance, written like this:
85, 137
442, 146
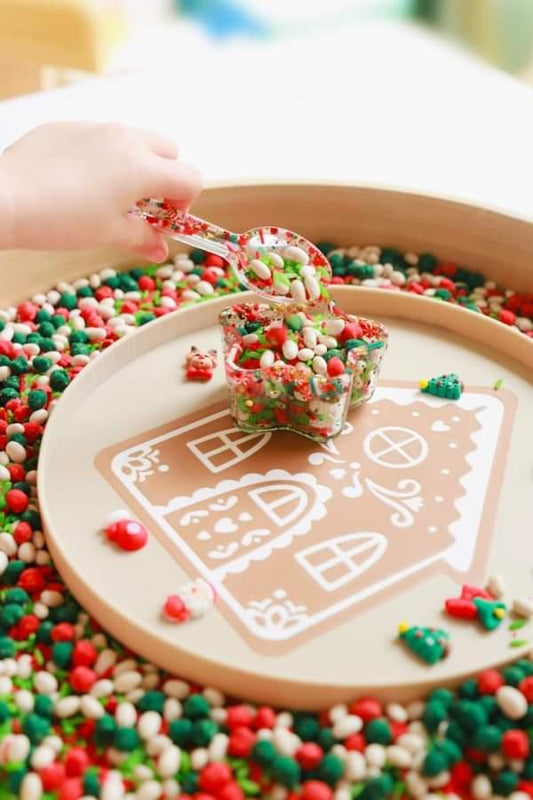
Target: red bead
28, 625
265, 718
316, 790
27, 312
52, 776
355, 742
6, 348
146, 283
240, 743
128, 307
526, 687
71, 789
76, 762
17, 472
309, 755
277, 335
462, 774
32, 580
350, 331
507, 317
23, 532
335, 367
367, 708
525, 786
416, 288
17, 501
32, 431
515, 744
214, 777
398, 728
103, 291
337, 280
63, 632
231, 791
128, 534
82, 679
447, 284
211, 260
84, 654
211, 276
489, 681
239, 717
21, 413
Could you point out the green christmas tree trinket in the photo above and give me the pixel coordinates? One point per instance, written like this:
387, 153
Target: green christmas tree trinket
490, 612
429, 644
446, 386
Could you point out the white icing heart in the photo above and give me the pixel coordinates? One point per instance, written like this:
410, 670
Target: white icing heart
225, 525
245, 517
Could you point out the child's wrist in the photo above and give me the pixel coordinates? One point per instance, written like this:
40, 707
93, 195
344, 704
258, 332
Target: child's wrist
7, 208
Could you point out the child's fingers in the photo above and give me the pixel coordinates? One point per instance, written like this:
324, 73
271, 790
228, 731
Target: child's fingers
137, 236
160, 145
174, 181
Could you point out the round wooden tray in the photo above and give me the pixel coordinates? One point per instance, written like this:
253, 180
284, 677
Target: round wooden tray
138, 386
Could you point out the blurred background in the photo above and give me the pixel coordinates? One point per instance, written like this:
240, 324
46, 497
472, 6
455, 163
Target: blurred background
46, 43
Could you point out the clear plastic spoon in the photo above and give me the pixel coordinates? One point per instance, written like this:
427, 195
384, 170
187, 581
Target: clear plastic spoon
273, 262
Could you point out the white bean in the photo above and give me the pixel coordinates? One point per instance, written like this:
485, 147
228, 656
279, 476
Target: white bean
496, 586
313, 287
399, 757
294, 253
169, 761
276, 260
298, 291
149, 790
319, 365
67, 706
289, 349
106, 659
90, 707
149, 724
355, 766
512, 702
305, 354
310, 337
31, 787
127, 681
333, 327
126, 714
347, 726
523, 606
199, 758
267, 359
176, 688
376, 755
42, 756
260, 269
218, 747
172, 709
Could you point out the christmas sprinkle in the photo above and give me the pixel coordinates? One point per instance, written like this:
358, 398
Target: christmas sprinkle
446, 386
429, 644
81, 716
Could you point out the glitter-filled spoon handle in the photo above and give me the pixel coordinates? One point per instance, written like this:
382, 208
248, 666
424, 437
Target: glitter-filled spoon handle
190, 230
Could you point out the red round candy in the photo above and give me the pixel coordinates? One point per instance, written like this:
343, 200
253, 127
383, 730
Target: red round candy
214, 777
17, 472
309, 755
175, 609
277, 335
239, 717
265, 718
515, 744
6, 348
335, 367
84, 654
231, 791
82, 679
128, 534
71, 789
316, 790
17, 501
52, 776
507, 317
489, 681
526, 687
351, 331
240, 743
63, 632
23, 532
211, 276
27, 312
76, 762
146, 283
355, 742
211, 260
32, 580
28, 625
367, 708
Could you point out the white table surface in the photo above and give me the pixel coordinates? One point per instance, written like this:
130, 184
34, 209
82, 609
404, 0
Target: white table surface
386, 104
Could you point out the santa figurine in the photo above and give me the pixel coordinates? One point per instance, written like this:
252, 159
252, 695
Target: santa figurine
194, 600
200, 364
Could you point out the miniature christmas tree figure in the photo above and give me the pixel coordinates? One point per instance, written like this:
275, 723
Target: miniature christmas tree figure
490, 612
447, 386
429, 644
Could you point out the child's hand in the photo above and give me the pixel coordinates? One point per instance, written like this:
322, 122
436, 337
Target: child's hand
69, 185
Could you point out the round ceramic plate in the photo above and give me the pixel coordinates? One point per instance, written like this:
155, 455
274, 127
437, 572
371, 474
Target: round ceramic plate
317, 552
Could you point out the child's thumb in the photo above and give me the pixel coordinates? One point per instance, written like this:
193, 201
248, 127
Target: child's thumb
137, 236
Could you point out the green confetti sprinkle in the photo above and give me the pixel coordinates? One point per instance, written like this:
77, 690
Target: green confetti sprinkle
517, 624
498, 384
518, 643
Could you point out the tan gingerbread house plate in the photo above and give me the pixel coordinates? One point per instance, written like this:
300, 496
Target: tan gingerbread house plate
317, 552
